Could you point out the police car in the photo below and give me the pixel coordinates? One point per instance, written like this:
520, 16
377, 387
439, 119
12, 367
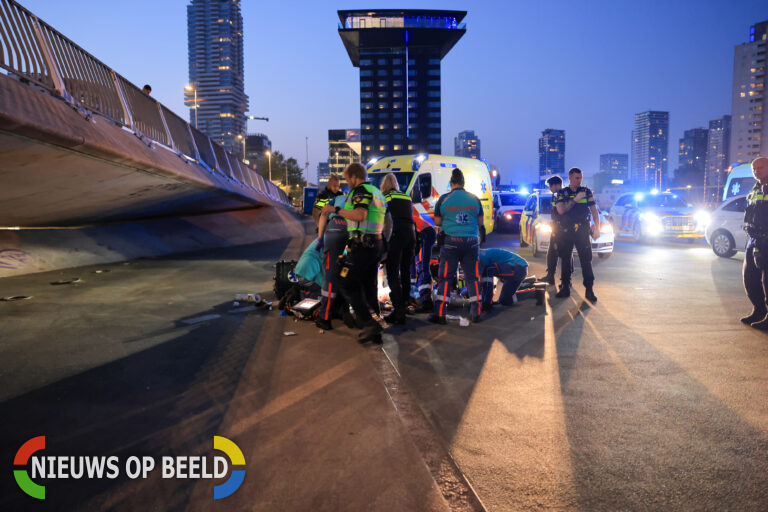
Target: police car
655, 215
536, 227
725, 232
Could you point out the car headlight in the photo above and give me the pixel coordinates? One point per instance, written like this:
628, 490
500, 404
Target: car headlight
544, 228
702, 219
508, 216
606, 227
651, 223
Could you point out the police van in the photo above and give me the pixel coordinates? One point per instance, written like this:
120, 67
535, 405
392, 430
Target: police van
536, 227
426, 177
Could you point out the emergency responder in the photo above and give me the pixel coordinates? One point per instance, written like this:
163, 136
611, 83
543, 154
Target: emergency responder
326, 196
459, 215
365, 211
333, 231
426, 236
755, 268
574, 204
555, 184
401, 247
508, 267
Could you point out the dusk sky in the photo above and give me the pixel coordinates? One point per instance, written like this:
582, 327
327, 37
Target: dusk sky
585, 67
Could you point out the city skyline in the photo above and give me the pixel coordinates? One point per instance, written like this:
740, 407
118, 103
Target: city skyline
318, 90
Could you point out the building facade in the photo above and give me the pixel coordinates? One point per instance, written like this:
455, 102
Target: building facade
551, 154
749, 104
650, 144
256, 146
323, 173
399, 54
616, 165
215, 41
343, 149
718, 159
692, 155
466, 144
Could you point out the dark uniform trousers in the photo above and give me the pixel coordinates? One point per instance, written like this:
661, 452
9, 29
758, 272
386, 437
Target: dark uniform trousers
399, 259
553, 252
755, 272
424, 283
576, 235
335, 240
360, 286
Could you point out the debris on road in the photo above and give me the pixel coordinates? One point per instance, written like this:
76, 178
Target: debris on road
289, 333
66, 281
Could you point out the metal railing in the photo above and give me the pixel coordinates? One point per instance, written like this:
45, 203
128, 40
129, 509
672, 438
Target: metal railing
35, 52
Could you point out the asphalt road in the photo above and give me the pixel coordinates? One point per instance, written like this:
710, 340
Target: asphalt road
651, 399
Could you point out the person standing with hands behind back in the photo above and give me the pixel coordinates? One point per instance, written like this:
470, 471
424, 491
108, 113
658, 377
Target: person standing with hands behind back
460, 217
401, 246
755, 268
574, 204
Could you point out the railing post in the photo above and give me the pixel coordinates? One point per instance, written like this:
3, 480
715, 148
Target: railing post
53, 70
126, 109
194, 144
165, 125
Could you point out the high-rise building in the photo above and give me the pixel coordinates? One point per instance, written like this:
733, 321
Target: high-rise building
615, 165
215, 39
399, 52
256, 146
343, 149
466, 144
323, 173
718, 158
749, 103
650, 138
692, 154
551, 154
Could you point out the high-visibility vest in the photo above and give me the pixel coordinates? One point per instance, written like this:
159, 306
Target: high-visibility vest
373, 224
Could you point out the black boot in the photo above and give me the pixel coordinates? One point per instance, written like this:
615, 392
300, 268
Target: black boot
437, 319
395, 317
323, 324
427, 306
565, 291
549, 279
754, 316
590, 295
372, 333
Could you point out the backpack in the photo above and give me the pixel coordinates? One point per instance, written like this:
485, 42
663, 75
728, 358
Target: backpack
284, 278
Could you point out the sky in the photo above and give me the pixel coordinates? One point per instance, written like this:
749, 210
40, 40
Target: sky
583, 66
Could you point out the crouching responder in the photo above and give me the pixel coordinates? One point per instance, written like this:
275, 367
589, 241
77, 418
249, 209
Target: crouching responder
333, 230
365, 211
755, 268
508, 267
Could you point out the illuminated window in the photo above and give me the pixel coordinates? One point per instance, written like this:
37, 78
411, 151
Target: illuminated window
366, 106
411, 147
397, 105
383, 94
367, 127
367, 148
382, 148
397, 147
742, 94
397, 83
397, 94
397, 126
383, 126
382, 83
383, 105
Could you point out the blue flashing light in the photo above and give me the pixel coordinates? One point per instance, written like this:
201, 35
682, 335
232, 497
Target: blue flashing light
418, 160
654, 192
524, 190
639, 197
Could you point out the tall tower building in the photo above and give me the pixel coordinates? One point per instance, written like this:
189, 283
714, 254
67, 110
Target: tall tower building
616, 165
343, 149
748, 105
466, 144
215, 40
650, 141
398, 52
692, 154
718, 158
551, 153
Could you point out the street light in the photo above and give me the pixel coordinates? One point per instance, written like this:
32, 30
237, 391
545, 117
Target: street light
192, 88
242, 138
269, 156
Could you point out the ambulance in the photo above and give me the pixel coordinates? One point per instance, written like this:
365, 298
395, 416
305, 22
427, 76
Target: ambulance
426, 177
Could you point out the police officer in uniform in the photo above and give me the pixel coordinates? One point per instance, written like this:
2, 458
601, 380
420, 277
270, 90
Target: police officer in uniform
365, 211
333, 230
574, 204
555, 184
326, 196
460, 217
401, 246
756, 259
